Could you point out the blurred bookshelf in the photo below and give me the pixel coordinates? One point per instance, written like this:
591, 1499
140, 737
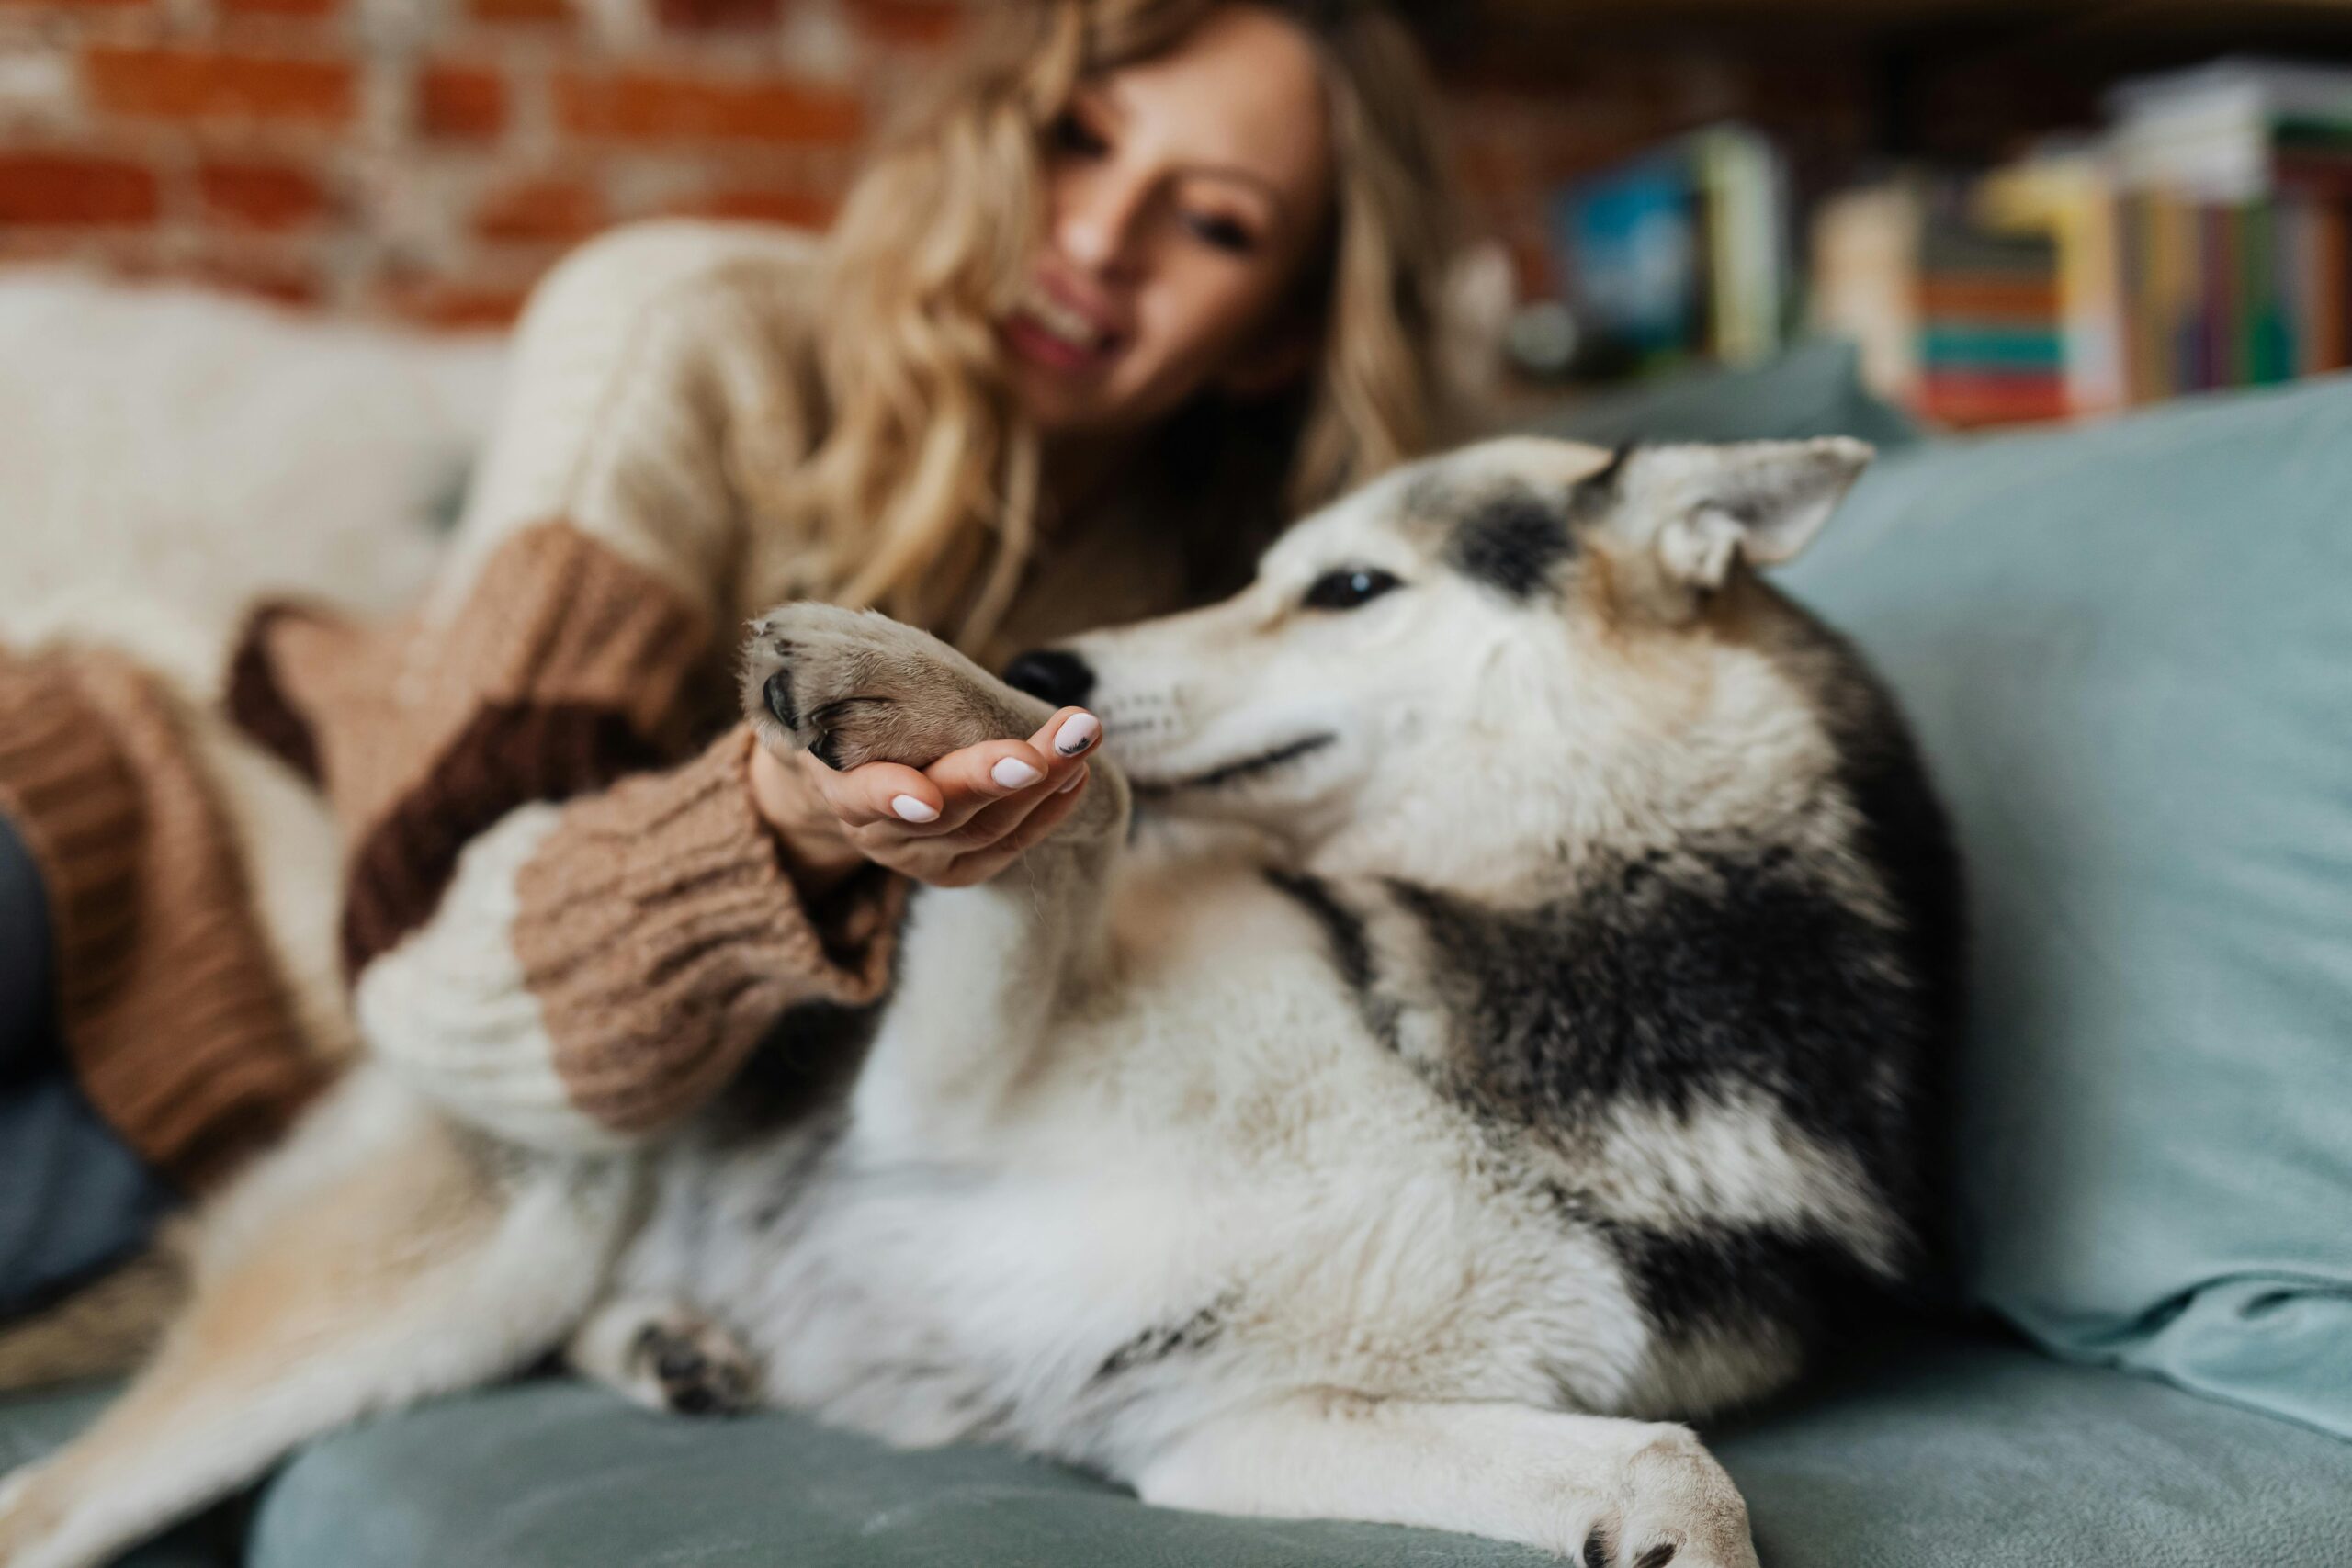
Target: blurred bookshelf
2021, 213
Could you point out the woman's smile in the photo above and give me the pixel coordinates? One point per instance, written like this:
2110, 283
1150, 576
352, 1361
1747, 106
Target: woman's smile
1052, 328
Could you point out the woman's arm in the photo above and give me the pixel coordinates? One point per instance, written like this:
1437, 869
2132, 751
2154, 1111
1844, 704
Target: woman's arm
576, 640
596, 970
575, 975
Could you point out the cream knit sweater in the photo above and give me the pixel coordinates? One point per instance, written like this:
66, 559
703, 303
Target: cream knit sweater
565, 921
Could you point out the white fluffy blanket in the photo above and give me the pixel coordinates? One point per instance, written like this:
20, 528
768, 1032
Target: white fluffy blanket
168, 455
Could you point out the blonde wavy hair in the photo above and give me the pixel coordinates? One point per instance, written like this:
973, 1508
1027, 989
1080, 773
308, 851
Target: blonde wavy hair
924, 492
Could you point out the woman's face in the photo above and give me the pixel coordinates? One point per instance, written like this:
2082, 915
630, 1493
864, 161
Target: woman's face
1184, 194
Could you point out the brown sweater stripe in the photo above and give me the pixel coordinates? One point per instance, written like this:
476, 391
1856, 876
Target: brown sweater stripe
257, 703
507, 755
65, 783
565, 669
170, 1001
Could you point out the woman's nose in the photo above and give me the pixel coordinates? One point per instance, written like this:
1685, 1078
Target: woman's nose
1096, 221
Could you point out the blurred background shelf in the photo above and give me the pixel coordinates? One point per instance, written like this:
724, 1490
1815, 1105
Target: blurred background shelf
427, 160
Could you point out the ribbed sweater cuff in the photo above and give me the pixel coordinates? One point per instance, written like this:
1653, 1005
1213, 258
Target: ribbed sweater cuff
168, 998
662, 936
66, 784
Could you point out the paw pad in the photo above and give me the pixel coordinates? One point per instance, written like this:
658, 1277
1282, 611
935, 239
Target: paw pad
694, 1371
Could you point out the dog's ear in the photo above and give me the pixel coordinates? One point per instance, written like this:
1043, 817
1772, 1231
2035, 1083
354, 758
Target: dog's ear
1701, 508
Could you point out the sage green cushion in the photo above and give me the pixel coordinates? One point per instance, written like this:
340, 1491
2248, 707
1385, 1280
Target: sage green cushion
1925, 1453
1971, 1453
1939, 1454
556, 1474
2129, 652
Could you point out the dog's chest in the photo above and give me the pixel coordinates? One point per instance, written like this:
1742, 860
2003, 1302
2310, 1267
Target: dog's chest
1215, 1129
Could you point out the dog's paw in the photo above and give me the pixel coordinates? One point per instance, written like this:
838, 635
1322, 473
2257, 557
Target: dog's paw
689, 1366
855, 686
1673, 1507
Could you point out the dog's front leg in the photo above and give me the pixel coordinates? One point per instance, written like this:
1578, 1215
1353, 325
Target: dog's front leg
982, 970
1592, 1489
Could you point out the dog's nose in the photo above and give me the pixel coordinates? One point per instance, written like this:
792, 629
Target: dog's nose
1059, 677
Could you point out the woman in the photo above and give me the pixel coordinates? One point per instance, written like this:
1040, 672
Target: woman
1147, 276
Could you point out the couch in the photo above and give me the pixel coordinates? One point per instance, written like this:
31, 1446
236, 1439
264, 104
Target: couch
2129, 652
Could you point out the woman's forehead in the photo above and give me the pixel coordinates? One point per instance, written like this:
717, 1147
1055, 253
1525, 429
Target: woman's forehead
1242, 95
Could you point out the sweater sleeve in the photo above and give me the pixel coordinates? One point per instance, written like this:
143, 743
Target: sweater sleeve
595, 971
572, 643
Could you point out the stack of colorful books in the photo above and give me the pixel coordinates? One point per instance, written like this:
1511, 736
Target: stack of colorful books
2201, 243
2232, 186
1960, 319
1992, 347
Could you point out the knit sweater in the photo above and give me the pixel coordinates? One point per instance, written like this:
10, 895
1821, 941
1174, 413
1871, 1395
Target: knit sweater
174, 1003
564, 920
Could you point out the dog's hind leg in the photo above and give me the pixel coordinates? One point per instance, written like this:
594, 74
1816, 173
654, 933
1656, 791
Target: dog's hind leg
380, 1259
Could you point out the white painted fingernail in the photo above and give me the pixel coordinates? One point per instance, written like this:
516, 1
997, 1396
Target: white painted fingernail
1078, 734
1070, 783
910, 810
1014, 773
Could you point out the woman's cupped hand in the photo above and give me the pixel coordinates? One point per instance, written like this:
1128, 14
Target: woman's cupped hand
953, 824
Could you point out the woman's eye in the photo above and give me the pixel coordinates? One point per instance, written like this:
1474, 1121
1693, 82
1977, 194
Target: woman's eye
1069, 133
1349, 587
1222, 233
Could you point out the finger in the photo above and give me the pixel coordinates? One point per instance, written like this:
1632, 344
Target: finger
979, 777
883, 793
1070, 733
1033, 828
1064, 740
1003, 819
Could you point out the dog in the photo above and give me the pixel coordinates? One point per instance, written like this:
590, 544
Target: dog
1481, 1015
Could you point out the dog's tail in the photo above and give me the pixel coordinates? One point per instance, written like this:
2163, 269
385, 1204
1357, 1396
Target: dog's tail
104, 1329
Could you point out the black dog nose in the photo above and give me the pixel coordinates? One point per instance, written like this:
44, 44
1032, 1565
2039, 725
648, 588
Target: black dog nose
1062, 679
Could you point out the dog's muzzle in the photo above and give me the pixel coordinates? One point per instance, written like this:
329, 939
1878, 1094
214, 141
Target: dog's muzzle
1053, 674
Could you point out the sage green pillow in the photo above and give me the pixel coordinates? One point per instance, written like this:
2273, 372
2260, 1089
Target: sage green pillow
2128, 649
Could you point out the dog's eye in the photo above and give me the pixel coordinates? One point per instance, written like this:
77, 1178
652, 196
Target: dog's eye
1349, 587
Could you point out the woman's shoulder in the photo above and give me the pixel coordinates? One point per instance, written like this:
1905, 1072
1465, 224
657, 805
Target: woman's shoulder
664, 264
654, 366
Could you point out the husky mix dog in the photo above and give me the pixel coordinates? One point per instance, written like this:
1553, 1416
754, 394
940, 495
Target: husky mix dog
1509, 1040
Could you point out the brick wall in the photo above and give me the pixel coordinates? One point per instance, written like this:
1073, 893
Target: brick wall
428, 159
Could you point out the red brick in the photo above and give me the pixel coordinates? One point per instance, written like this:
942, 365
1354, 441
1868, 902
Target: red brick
541, 209
445, 303
191, 84
712, 15
66, 188
917, 24
284, 282
535, 12
643, 107
279, 7
460, 102
792, 208
261, 196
